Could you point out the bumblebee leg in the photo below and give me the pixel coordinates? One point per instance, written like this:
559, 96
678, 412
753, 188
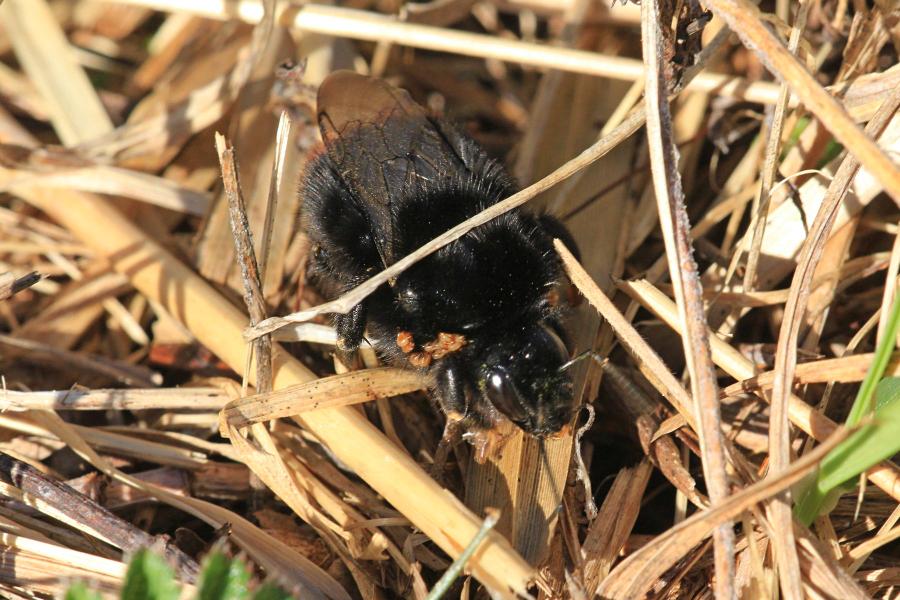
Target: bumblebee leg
453, 431
351, 328
452, 389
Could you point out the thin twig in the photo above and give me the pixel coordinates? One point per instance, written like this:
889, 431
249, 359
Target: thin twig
761, 209
686, 281
250, 275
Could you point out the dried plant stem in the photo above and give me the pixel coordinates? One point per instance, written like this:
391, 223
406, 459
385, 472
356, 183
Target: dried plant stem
198, 399
773, 144
282, 137
329, 392
786, 352
62, 502
127, 373
885, 475
634, 576
42, 48
262, 456
686, 282
53, 555
304, 577
860, 556
370, 26
851, 368
745, 20
658, 373
11, 285
250, 275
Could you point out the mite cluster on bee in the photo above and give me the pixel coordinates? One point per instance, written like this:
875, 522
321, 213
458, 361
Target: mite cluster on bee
481, 315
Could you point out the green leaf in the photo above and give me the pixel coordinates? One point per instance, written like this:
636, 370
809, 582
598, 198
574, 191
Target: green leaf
223, 579
865, 448
149, 578
872, 443
80, 591
270, 591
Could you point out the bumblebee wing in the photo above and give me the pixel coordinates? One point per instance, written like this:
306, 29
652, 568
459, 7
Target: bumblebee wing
383, 145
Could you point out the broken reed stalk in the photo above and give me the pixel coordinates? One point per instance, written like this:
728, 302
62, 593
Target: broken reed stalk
685, 279
263, 455
246, 257
62, 502
786, 351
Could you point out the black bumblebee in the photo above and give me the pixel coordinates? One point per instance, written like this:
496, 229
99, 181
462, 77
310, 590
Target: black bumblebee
480, 315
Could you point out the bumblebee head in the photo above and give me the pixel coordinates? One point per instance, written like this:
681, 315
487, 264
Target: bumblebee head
521, 378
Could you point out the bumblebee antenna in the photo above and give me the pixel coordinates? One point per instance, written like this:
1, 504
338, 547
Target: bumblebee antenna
595, 356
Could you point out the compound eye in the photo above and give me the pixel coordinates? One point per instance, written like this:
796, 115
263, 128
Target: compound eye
502, 393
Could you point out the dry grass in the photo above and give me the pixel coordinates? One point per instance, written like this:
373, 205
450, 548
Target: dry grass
735, 254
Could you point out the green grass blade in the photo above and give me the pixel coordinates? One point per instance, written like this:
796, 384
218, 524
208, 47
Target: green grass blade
870, 445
